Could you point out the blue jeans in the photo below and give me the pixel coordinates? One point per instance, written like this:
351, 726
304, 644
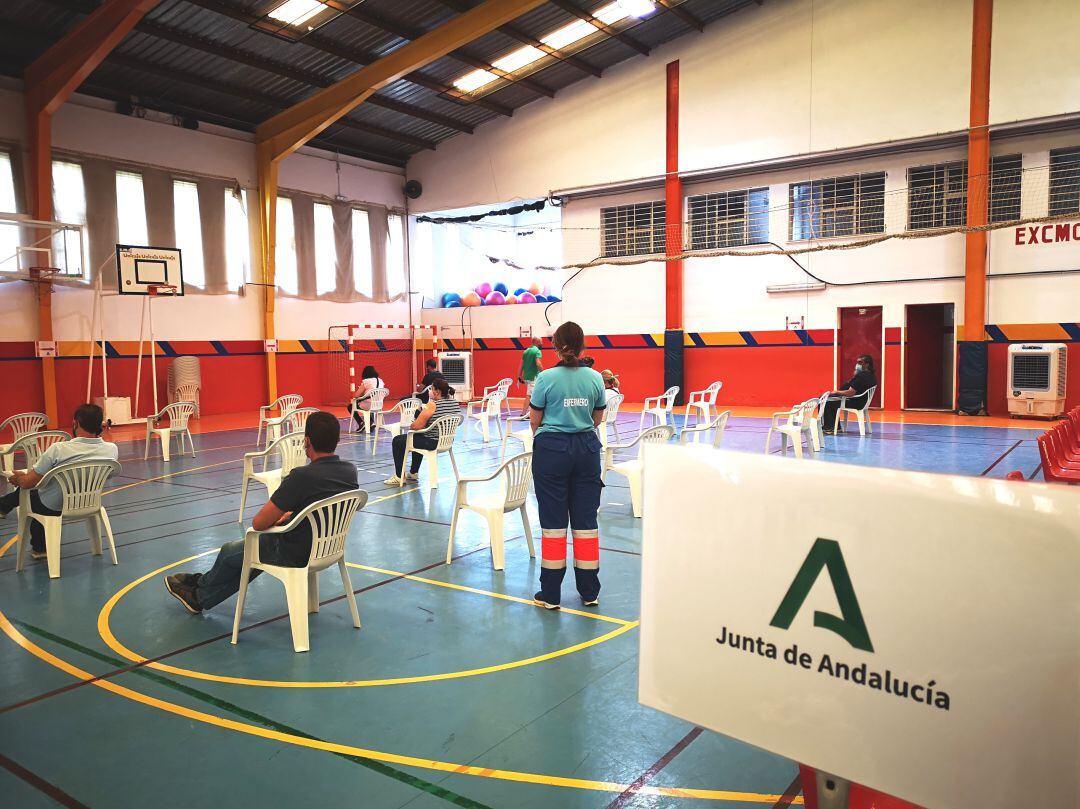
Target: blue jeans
566, 475
223, 579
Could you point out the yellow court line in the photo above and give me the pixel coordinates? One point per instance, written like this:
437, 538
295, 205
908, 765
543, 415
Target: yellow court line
105, 630
372, 755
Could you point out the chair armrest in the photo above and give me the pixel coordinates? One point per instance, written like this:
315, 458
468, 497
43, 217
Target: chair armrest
654, 399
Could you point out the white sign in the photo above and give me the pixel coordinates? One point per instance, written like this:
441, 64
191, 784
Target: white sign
269, 346
45, 348
916, 633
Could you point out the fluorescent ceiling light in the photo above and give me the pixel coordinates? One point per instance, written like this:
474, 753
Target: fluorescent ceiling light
637, 8
297, 12
515, 60
568, 34
475, 80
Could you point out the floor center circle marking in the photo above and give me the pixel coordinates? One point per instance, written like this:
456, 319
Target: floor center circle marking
105, 630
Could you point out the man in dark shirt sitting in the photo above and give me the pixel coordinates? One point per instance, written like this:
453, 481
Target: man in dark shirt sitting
431, 368
854, 389
324, 477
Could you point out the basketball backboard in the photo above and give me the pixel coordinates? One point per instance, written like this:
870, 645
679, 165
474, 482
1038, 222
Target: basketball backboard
141, 268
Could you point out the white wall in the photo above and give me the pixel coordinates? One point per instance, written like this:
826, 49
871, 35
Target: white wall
89, 126
786, 78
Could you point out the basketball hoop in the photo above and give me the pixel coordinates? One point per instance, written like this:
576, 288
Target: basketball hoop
161, 289
44, 273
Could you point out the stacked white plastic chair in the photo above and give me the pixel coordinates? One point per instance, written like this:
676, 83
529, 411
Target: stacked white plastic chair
374, 401
177, 414
797, 425
283, 405
632, 470
862, 414
444, 430
81, 485
701, 403
697, 433
407, 410
329, 520
185, 382
289, 449
20, 424
510, 495
659, 407
486, 410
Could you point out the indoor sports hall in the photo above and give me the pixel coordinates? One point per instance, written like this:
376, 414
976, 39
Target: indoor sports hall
630, 403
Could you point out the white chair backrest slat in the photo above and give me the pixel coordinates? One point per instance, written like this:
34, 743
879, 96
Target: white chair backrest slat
24, 423
289, 401
290, 450
81, 484
330, 520
408, 409
612, 411
515, 475
446, 427
377, 397
654, 435
186, 393
297, 419
178, 414
667, 401
35, 444
494, 402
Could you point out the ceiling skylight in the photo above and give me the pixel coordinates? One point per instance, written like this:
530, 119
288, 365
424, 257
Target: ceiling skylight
515, 60
638, 8
475, 80
568, 34
297, 12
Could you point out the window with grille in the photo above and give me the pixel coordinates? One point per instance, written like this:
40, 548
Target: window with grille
9, 235
838, 206
188, 225
1064, 181
325, 250
395, 254
285, 267
633, 230
1006, 179
130, 209
361, 251
69, 206
237, 238
729, 219
937, 195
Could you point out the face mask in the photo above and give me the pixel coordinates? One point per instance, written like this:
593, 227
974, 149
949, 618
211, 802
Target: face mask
858, 367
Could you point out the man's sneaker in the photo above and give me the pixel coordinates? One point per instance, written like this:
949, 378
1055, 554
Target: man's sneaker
594, 603
37, 555
184, 593
393, 481
539, 601
411, 477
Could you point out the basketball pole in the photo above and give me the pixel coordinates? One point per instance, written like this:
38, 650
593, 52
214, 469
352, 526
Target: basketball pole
138, 366
153, 347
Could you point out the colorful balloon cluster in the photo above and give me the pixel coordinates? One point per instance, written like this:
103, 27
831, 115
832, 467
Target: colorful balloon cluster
498, 294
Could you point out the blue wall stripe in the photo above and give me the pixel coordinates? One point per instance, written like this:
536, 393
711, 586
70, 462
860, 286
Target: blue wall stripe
749, 337
649, 341
1073, 329
167, 349
605, 341
996, 334
304, 344
696, 339
219, 347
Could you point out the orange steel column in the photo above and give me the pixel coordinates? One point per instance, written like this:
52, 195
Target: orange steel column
268, 188
673, 246
47, 83
975, 258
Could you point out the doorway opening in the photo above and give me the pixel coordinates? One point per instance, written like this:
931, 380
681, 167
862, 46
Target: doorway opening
929, 356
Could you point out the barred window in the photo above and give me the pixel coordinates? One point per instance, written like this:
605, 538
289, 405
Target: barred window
1006, 177
1064, 181
729, 219
838, 206
937, 195
631, 230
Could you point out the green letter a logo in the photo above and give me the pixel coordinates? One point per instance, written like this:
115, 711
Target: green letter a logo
851, 627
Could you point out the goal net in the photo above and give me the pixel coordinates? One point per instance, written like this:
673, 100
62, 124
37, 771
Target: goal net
397, 353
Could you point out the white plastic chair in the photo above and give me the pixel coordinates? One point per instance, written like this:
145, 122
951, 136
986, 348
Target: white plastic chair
374, 400
703, 400
611, 417
296, 420
329, 520
485, 410
632, 469
524, 436
21, 424
81, 485
289, 448
190, 393
407, 410
818, 432
695, 434
444, 430
862, 414
661, 406
178, 414
31, 445
510, 496
503, 386
796, 424
283, 405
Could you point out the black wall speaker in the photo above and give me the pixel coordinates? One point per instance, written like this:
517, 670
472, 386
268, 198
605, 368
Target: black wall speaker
413, 189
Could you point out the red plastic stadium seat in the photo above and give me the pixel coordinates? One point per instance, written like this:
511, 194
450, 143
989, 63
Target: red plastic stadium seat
1052, 469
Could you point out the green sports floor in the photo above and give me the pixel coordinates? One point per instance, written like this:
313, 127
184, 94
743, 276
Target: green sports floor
456, 691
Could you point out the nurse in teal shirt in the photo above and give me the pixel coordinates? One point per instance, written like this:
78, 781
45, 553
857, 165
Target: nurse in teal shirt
566, 405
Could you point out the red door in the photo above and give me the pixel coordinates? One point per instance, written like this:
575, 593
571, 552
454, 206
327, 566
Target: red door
928, 356
860, 333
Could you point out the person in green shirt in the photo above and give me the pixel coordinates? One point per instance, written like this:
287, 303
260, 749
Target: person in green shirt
566, 405
531, 366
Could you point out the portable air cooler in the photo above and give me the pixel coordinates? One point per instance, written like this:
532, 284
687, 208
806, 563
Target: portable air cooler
1037, 380
456, 367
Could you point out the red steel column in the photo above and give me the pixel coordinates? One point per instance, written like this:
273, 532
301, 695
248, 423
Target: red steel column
673, 284
978, 172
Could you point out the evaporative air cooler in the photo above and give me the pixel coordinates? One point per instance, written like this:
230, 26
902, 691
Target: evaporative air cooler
1037, 379
456, 367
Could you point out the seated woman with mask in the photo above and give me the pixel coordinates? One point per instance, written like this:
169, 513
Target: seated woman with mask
854, 389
